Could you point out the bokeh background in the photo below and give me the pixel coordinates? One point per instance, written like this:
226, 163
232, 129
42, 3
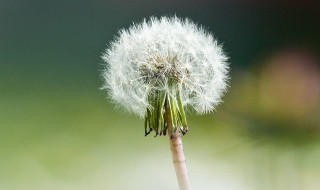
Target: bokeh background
58, 130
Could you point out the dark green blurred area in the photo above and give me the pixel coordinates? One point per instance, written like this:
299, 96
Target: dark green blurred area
58, 130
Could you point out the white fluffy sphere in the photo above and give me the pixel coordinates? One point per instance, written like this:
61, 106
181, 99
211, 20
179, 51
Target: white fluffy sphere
169, 54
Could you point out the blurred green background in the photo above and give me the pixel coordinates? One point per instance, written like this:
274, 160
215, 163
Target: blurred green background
58, 130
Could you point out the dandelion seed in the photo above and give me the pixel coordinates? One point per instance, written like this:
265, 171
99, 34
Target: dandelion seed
158, 68
165, 59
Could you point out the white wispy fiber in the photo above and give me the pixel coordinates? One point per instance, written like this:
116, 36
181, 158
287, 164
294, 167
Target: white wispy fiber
165, 54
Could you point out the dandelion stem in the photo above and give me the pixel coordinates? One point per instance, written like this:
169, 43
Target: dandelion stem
178, 158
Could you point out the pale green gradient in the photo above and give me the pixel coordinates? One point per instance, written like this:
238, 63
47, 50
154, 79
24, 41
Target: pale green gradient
58, 131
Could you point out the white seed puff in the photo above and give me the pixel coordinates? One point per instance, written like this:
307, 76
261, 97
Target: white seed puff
165, 54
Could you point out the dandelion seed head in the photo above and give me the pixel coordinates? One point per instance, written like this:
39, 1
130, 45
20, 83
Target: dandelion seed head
164, 54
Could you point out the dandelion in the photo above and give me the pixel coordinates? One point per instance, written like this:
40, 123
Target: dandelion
159, 68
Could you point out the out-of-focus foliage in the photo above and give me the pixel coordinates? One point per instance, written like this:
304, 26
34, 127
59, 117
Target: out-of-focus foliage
280, 97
